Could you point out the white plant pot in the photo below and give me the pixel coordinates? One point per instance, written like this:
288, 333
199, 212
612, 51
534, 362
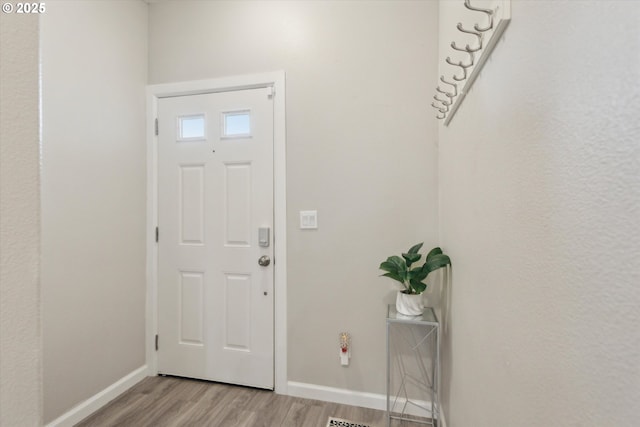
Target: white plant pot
409, 304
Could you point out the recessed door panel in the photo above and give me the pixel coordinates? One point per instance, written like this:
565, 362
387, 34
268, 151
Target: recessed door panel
192, 204
191, 311
238, 313
238, 208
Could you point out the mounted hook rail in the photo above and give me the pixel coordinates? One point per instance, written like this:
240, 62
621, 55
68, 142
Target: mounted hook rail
495, 21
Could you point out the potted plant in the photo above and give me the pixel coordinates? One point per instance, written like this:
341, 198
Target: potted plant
411, 274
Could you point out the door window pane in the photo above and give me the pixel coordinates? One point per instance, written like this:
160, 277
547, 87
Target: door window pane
191, 127
236, 124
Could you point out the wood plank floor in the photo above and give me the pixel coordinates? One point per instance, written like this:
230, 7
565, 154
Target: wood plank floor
170, 401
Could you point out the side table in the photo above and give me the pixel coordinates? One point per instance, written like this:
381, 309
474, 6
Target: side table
413, 367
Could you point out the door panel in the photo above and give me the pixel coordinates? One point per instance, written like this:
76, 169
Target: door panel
237, 193
191, 201
215, 303
191, 308
238, 312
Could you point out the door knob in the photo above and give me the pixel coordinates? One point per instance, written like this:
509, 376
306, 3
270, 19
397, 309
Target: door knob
264, 260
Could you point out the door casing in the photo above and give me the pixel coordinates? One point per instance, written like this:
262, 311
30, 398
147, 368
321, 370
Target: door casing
275, 80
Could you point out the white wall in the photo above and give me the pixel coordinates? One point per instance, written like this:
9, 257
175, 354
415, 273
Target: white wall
20, 335
540, 201
359, 150
94, 71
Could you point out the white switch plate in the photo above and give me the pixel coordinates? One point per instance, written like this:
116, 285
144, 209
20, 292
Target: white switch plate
308, 220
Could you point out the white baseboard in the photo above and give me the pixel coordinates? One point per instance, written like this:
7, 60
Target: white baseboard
97, 401
353, 398
338, 395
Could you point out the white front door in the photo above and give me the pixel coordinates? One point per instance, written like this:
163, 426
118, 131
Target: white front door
215, 216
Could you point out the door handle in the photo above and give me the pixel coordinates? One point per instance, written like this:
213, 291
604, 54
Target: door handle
264, 260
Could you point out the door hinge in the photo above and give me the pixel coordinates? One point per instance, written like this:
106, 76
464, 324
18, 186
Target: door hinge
156, 342
157, 234
272, 92
156, 126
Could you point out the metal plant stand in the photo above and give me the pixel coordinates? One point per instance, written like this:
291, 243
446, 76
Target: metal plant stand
413, 367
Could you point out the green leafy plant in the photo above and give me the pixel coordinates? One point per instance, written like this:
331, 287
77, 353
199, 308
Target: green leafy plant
408, 271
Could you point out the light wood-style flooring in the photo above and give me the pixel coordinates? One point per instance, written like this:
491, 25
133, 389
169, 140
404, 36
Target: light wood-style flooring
170, 401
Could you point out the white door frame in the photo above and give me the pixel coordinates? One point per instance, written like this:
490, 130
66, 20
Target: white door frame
276, 80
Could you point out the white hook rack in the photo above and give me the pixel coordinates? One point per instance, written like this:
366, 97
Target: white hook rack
491, 23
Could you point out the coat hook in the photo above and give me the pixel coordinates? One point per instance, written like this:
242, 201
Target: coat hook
447, 94
465, 50
443, 102
474, 33
444, 107
489, 12
442, 110
461, 65
455, 85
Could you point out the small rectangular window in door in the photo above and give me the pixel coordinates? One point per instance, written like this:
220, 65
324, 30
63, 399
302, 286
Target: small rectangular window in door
191, 128
236, 124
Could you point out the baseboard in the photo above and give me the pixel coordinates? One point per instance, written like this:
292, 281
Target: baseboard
97, 401
350, 397
337, 395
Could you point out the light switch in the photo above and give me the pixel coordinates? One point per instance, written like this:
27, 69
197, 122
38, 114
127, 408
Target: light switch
308, 220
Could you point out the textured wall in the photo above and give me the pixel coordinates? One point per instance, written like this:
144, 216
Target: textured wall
94, 72
359, 150
540, 203
20, 348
